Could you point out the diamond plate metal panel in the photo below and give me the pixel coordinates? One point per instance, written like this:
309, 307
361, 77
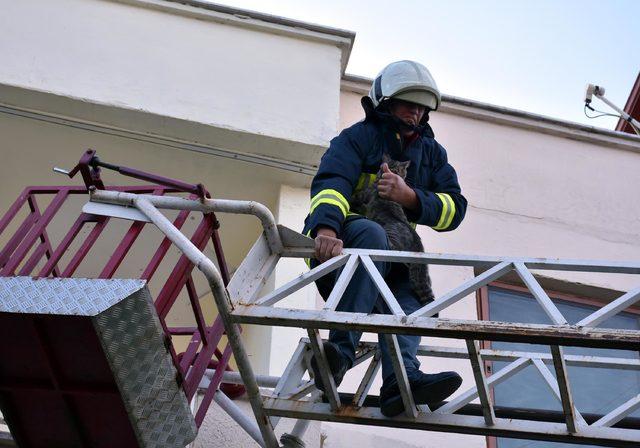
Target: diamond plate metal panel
133, 340
63, 296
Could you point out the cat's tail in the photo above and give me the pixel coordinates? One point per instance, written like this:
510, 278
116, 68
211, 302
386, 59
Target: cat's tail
421, 282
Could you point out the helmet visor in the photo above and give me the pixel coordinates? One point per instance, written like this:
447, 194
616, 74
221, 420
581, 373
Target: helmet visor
424, 98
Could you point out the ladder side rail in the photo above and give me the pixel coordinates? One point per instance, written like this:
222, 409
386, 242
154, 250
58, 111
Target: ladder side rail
464, 424
252, 274
619, 413
205, 205
480, 261
341, 284
507, 355
367, 380
481, 382
292, 376
471, 394
566, 397
611, 309
573, 419
331, 391
382, 286
540, 295
223, 304
463, 290
401, 376
303, 280
566, 335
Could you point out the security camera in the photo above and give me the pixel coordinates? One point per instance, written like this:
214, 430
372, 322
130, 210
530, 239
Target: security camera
592, 89
588, 96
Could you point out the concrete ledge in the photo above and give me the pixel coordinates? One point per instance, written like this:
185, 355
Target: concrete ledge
297, 158
202, 10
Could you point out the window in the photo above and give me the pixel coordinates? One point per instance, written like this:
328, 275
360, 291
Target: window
595, 390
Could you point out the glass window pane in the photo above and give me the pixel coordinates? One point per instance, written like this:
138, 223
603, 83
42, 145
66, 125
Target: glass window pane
594, 390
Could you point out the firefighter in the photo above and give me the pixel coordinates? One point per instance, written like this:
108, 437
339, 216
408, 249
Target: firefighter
396, 123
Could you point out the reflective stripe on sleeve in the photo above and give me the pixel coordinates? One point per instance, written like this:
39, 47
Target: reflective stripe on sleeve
448, 211
308, 260
364, 181
332, 197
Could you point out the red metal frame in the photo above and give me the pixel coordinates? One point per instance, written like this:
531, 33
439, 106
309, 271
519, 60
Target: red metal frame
18, 257
632, 108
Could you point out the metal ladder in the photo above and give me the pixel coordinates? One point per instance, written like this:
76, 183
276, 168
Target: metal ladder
295, 396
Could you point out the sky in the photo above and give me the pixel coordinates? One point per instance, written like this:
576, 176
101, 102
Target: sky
537, 56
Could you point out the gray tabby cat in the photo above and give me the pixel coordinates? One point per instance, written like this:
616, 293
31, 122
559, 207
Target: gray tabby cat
402, 236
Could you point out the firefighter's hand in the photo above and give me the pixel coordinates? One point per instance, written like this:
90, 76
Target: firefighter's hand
393, 188
328, 245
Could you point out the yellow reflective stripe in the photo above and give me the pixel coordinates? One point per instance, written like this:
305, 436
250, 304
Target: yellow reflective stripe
413, 225
361, 181
448, 211
328, 200
365, 180
332, 197
308, 260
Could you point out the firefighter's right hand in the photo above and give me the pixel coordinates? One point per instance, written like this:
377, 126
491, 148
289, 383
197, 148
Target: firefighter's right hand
328, 245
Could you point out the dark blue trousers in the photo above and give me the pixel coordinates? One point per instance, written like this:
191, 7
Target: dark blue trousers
362, 296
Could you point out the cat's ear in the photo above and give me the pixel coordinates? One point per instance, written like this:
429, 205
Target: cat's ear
405, 165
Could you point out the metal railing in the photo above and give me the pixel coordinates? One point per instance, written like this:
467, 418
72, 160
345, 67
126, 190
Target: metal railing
240, 303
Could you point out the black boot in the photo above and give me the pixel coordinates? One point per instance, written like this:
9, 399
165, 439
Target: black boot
429, 389
338, 364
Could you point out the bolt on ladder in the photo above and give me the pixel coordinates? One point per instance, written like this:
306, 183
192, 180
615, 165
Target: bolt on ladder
295, 397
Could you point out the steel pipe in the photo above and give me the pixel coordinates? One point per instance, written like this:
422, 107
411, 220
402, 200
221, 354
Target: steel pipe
205, 206
223, 302
230, 377
238, 416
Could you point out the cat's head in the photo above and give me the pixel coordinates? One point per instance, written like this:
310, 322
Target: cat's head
396, 167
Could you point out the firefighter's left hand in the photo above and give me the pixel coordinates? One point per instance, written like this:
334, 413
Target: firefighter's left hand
393, 188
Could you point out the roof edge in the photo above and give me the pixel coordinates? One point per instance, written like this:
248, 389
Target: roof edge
515, 117
269, 18
199, 9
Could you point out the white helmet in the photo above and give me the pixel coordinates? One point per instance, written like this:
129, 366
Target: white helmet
405, 80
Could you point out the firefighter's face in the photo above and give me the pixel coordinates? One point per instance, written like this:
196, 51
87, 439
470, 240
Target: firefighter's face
410, 113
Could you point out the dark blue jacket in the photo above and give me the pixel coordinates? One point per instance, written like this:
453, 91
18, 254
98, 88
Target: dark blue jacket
353, 160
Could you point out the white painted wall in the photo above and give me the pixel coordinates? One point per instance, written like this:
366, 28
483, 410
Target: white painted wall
530, 194
149, 70
127, 54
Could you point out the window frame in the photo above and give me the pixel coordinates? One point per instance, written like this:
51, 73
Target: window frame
482, 306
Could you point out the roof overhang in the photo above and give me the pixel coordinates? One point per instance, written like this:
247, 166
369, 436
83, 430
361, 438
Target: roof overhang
258, 21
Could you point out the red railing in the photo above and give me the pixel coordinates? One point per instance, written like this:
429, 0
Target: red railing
30, 251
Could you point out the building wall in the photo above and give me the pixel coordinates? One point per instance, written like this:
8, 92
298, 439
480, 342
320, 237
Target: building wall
159, 85
238, 75
189, 93
531, 193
